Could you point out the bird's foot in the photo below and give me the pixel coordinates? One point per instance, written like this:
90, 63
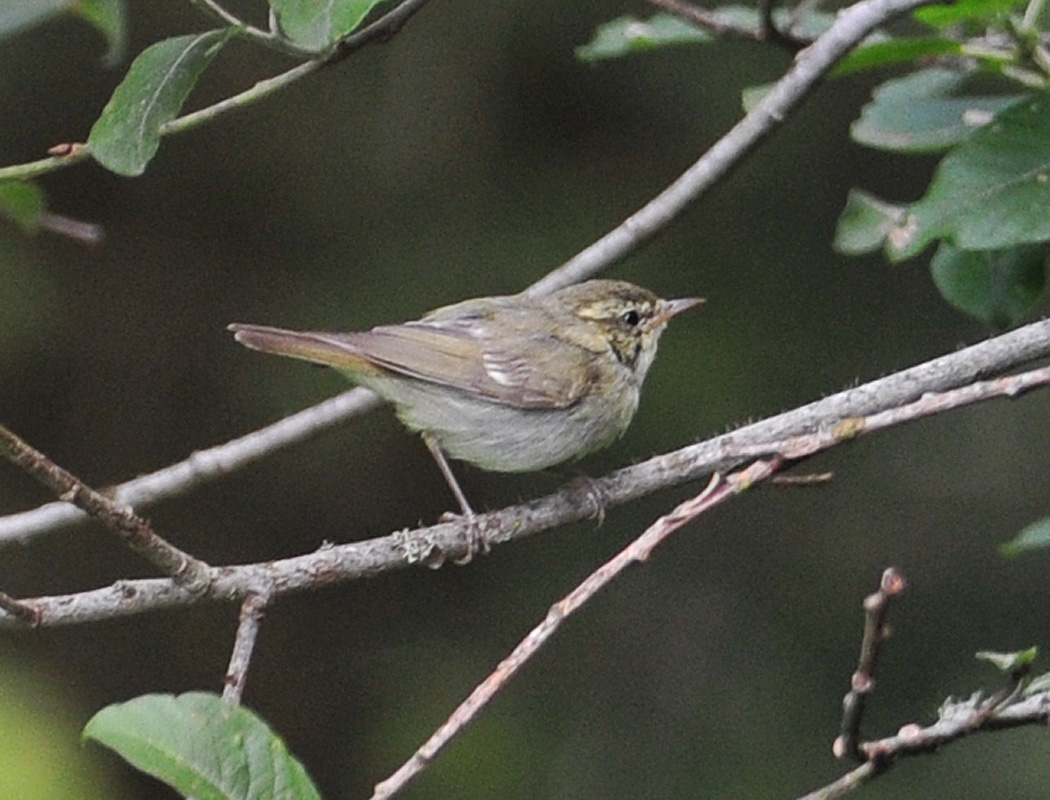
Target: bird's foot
477, 541
596, 495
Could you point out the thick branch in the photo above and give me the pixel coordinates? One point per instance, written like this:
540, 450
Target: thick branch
988, 357
346, 562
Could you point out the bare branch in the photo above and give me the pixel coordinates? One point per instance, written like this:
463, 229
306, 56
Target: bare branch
876, 605
425, 546
134, 530
717, 492
811, 65
19, 610
247, 629
201, 467
988, 357
1010, 707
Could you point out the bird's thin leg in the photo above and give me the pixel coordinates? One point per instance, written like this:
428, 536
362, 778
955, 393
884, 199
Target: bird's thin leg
476, 541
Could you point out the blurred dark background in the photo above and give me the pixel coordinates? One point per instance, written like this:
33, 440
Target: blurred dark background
469, 156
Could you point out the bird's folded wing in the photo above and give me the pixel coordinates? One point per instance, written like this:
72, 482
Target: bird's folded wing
508, 370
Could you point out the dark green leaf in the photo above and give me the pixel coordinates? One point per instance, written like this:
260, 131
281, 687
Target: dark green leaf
1033, 537
880, 54
202, 747
109, 18
626, 35
865, 223
918, 114
316, 26
992, 192
23, 203
996, 286
127, 134
1009, 662
941, 16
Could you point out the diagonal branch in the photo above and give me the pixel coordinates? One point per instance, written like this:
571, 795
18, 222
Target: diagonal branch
986, 358
852, 25
718, 491
811, 65
184, 569
834, 424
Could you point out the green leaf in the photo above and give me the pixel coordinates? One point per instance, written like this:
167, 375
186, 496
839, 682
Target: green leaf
918, 114
127, 134
865, 223
992, 192
880, 54
108, 17
1009, 662
23, 203
202, 747
318, 24
626, 35
996, 286
941, 16
1032, 537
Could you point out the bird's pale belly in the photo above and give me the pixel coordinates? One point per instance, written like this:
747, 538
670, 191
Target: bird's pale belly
504, 438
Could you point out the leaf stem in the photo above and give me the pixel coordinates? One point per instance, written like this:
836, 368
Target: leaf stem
257, 92
272, 39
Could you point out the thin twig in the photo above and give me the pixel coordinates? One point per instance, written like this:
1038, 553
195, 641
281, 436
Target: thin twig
846, 784
771, 33
717, 492
876, 606
19, 610
379, 31
811, 65
252, 610
708, 20
183, 568
86, 233
272, 39
1007, 708
725, 26
201, 467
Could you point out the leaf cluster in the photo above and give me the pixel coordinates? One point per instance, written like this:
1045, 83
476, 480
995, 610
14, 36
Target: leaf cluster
976, 93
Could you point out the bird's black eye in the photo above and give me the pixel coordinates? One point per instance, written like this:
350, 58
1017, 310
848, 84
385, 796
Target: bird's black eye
631, 317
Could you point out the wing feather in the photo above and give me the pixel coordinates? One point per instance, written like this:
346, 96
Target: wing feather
460, 355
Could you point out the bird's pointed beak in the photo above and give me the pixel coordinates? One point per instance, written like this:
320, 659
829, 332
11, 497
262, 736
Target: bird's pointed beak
670, 308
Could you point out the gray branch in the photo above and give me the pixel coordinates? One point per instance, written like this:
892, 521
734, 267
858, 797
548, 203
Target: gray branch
345, 562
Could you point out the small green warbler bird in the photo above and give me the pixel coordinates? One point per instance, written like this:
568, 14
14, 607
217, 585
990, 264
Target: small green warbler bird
510, 384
